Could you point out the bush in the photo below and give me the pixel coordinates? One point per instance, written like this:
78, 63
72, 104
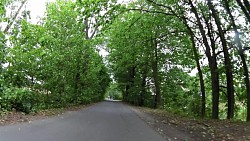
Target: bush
21, 99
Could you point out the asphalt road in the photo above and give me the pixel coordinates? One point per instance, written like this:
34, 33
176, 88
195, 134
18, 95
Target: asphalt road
105, 121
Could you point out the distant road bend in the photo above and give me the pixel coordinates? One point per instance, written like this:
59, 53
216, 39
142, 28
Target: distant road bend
105, 121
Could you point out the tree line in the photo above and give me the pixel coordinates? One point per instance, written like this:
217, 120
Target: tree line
54, 63
189, 57
154, 45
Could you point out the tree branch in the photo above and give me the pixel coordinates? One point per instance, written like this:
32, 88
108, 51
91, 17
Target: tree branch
153, 12
14, 18
223, 90
219, 52
157, 4
135, 21
246, 48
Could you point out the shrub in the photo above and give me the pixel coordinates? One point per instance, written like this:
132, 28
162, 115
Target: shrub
21, 99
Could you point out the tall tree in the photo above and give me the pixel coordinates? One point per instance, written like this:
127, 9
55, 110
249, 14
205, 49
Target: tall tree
44, 58
155, 68
242, 56
182, 17
211, 61
227, 62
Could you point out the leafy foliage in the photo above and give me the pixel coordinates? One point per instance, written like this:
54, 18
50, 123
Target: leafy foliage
175, 37
52, 64
154, 49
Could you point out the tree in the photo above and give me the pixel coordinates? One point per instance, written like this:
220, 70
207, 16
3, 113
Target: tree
144, 34
227, 61
245, 8
241, 53
44, 58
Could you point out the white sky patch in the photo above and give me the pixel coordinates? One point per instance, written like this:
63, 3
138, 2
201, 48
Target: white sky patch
37, 9
193, 72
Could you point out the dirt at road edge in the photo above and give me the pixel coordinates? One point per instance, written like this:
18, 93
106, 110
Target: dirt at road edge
175, 128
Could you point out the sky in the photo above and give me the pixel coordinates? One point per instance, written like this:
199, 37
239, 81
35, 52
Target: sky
38, 7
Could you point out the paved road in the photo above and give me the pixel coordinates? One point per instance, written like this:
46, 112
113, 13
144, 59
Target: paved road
105, 121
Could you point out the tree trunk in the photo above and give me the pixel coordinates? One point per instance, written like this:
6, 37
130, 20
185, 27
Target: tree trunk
202, 86
125, 96
213, 70
215, 87
212, 65
247, 5
143, 89
157, 101
243, 8
196, 56
129, 84
227, 62
14, 18
132, 81
242, 56
247, 83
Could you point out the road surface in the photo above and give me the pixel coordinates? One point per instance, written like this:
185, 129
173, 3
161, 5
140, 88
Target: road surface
105, 121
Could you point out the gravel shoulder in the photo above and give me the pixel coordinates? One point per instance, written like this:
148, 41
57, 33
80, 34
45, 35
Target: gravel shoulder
175, 127
167, 130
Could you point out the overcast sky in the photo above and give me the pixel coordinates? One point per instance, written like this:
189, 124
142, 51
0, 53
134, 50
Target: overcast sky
38, 7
